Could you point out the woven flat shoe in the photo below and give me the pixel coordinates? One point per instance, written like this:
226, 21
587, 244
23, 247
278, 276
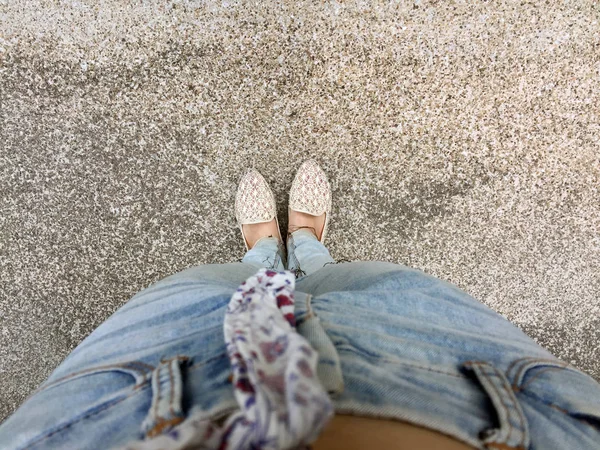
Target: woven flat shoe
311, 193
254, 202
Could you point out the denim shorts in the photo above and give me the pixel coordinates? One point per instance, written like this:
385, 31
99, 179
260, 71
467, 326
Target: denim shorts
393, 342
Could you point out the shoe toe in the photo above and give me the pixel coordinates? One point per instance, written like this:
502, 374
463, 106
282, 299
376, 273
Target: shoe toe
310, 192
254, 200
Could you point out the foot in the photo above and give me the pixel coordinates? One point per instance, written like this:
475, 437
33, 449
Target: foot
310, 200
314, 224
255, 208
256, 231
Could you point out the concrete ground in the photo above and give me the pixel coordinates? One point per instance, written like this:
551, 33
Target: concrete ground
461, 138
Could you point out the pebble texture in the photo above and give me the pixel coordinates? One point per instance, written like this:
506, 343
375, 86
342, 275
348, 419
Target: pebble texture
460, 137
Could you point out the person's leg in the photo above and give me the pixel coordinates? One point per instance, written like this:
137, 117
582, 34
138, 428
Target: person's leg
395, 342
308, 215
306, 254
156, 358
267, 252
104, 393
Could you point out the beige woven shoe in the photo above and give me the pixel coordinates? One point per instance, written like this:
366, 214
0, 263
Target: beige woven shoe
254, 202
311, 193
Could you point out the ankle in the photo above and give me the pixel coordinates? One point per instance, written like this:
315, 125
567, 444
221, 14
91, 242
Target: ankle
302, 229
255, 232
299, 220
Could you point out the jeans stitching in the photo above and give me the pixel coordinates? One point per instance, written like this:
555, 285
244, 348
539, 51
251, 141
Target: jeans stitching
511, 395
309, 310
500, 396
559, 409
515, 363
546, 369
531, 364
397, 363
158, 389
172, 388
144, 373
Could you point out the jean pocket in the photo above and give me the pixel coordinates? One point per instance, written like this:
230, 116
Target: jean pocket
559, 386
131, 374
84, 392
61, 402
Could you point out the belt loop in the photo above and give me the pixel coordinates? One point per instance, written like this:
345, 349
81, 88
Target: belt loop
513, 431
167, 386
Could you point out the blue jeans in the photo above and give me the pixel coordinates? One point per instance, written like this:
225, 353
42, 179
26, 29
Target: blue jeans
303, 248
392, 341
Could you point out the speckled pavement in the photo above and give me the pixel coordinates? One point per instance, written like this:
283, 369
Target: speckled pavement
461, 138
